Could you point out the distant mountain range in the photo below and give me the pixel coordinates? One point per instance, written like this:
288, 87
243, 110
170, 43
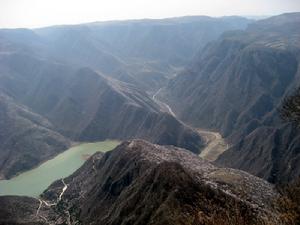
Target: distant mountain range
113, 80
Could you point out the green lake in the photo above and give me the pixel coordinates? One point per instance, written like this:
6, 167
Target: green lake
35, 181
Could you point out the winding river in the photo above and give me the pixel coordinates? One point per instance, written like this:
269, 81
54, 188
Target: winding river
34, 182
215, 144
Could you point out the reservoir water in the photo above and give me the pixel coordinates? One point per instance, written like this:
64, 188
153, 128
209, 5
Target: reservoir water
34, 182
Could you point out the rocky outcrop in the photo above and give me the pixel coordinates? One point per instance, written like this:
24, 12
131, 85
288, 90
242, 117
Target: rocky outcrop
142, 183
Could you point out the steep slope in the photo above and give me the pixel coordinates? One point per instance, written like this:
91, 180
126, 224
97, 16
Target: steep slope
94, 108
26, 139
19, 210
142, 183
86, 106
235, 86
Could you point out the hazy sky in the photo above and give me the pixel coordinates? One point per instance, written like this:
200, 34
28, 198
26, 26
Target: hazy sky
36, 13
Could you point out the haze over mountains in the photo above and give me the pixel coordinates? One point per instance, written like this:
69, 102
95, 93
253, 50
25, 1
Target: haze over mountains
161, 81
89, 85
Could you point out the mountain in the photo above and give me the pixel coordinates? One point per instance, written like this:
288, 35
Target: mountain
170, 41
90, 82
88, 106
142, 183
144, 52
27, 138
52, 104
105, 80
235, 85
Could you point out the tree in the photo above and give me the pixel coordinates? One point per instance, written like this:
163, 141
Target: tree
290, 109
289, 200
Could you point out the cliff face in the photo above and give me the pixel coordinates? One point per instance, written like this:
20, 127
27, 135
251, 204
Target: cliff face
142, 183
236, 85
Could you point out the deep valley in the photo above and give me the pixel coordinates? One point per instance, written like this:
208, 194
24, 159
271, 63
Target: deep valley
189, 120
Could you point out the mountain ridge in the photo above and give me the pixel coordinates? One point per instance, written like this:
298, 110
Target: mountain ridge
235, 85
162, 185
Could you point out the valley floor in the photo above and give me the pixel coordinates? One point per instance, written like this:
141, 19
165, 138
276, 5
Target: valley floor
215, 144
